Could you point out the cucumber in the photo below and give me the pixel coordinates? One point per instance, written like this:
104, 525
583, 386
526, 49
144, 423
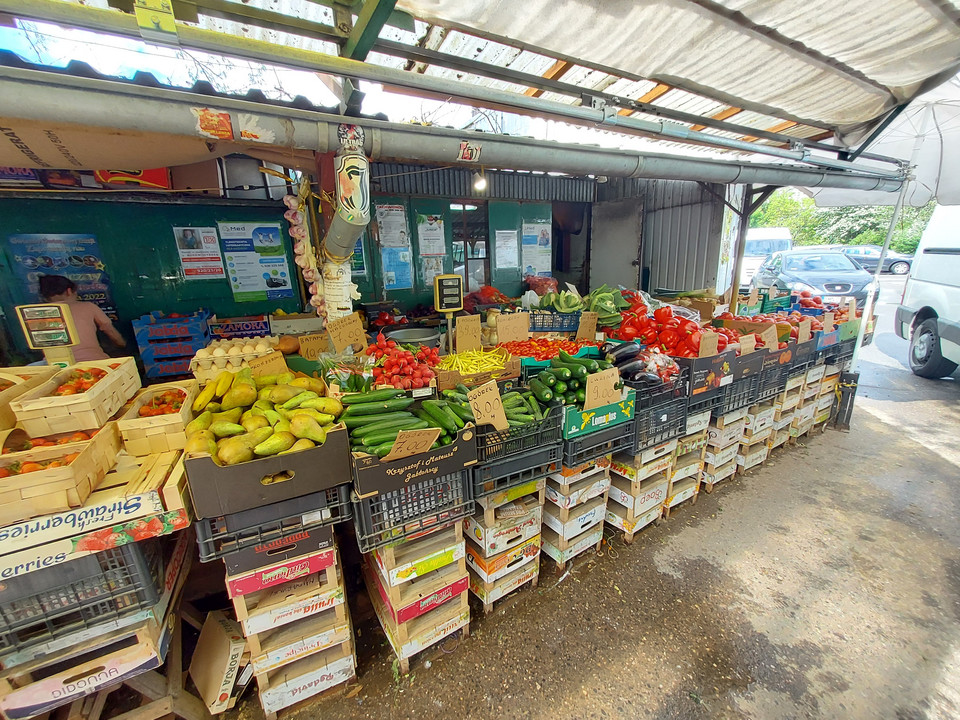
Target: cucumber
364, 431
427, 418
382, 436
382, 450
590, 365
561, 387
581, 396
541, 391
535, 406
355, 421
561, 373
463, 411
451, 415
445, 440
521, 418
453, 396
373, 408
462, 389
577, 371
510, 397
375, 396
570, 398
435, 409
515, 423
546, 378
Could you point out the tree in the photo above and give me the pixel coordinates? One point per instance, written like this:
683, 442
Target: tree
854, 225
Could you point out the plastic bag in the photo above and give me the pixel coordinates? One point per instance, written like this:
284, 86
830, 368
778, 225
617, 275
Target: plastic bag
351, 373
678, 310
529, 300
541, 285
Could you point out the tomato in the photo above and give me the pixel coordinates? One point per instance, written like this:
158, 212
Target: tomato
29, 467
4, 472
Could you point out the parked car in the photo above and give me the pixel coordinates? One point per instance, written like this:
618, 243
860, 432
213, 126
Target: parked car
827, 273
929, 311
760, 243
868, 255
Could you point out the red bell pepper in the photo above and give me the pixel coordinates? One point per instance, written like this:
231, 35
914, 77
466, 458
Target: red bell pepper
662, 314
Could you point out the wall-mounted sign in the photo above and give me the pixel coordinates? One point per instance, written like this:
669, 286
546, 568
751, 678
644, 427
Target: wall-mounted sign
199, 250
256, 262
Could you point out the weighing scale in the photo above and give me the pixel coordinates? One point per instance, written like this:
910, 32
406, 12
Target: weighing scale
49, 328
448, 299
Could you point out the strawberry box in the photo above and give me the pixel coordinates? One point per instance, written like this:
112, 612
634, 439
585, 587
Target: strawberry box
144, 435
16, 381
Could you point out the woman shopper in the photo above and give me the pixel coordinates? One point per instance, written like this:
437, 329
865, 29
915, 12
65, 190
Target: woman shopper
87, 317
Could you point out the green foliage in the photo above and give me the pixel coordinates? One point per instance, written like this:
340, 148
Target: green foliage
855, 225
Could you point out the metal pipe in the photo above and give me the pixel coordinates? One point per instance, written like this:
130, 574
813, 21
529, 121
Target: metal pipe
39, 96
744, 214
113, 22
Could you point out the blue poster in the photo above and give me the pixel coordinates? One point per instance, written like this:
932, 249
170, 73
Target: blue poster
74, 256
256, 261
397, 268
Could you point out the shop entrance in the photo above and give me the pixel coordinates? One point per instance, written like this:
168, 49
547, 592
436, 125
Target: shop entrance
470, 242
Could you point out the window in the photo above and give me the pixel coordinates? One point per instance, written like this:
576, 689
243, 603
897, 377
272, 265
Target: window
470, 232
815, 262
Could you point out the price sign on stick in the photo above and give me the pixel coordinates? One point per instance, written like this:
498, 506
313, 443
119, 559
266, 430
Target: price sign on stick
412, 442
270, 364
587, 330
748, 343
347, 331
487, 406
828, 322
514, 326
601, 389
468, 333
313, 345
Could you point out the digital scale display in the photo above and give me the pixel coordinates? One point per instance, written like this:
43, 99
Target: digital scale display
448, 293
47, 326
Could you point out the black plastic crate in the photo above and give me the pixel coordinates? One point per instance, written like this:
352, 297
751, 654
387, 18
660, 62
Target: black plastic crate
677, 387
91, 590
493, 444
220, 536
502, 474
772, 382
842, 352
578, 451
390, 516
740, 393
655, 425
697, 404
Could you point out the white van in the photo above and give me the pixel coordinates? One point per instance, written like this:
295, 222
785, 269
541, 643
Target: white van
929, 311
760, 243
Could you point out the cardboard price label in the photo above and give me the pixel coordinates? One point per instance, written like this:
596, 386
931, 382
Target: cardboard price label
412, 442
828, 322
852, 308
709, 344
468, 333
312, 345
748, 343
587, 330
269, 364
601, 389
770, 338
347, 331
754, 297
803, 330
487, 406
513, 327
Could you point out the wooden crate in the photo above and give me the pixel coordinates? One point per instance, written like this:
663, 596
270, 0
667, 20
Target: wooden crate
752, 455
42, 413
681, 491
418, 596
294, 641
630, 524
414, 558
711, 475
523, 523
24, 379
490, 503
629, 466
564, 497
692, 442
568, 522
489, 593
277, 606
491, 569
639, 496
57, 489
147, 435
687, 465
562, 551
305, 678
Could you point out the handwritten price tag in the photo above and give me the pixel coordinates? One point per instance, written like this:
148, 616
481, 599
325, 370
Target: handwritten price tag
828, 322
803, 331
468, 333
487, 406
748, 343
269, 364
513, 327
601, 389
709, 344
312, 345
412, 442
347, 331
587, 330
769, 337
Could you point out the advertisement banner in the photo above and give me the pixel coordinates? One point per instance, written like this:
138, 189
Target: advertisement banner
537, 249
256, 261
75, 256
199, 250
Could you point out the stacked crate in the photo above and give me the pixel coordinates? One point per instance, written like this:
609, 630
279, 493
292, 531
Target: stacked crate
575, 510
723, 445
418, 588
827, 396
167, 344
755, 443
638, 487
809, 396
293, 613
685, 475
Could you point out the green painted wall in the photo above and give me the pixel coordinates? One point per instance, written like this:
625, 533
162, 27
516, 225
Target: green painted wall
140, 252
507, 215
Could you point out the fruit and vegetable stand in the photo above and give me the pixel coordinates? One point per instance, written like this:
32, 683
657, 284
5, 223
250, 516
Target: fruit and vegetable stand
452, 474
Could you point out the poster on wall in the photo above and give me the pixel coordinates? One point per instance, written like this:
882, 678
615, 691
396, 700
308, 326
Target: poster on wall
75, 256
392, 222
537, 249
358, 262
256, 261
430, 235
396, 255
506, 251
397, 268
431, 266
199, 250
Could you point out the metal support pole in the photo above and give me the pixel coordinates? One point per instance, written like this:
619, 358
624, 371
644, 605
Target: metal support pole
744, 214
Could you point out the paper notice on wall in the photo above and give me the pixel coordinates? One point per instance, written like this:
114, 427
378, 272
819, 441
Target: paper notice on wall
392, 223
430, 235
397, 268
430, 267
537, 249
358, 261
256, 261
507, 252
199, 249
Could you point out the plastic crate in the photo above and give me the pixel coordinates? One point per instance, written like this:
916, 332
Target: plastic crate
219, 536
390, 516
660, 423
677, 387
581, 450
841, 352
534, 464
740, 393
91, 590
772, 381
493, 444
697, 405
547, 321
156, 326
167, 368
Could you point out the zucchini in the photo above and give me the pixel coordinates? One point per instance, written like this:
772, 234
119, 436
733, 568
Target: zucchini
577, 371
570, 398
541, 391
381, 436
555, 402
373, 408
561, 373
561, 387
453, 396
535, 406
604, 365
574, 385
361, 433
546, 378
355, 421
436, 411
590, 365
375, 396
462, 389
581, 396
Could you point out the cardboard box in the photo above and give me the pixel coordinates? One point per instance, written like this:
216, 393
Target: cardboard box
296, 324
722, 472
682, 490
784, 422
825, 402
581, 518
721, 437
577, 423
216, 660
300, 639
639, 498
288, 602
687, 466
804, 414
280, 573
707, 375
297, 544
755, 457
307, 677
714, 458
572, 547
569, 496
690, 443
697, 422
760, 417
220, 491
493, 568
412, 559
617, 516
505, 585
420, 595
630, 467
569, 476
241, 327
752, 438
371, 475
449, 379
815, 374
730, 418
505, 532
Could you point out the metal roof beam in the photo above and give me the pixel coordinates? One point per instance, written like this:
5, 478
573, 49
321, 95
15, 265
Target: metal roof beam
373, 16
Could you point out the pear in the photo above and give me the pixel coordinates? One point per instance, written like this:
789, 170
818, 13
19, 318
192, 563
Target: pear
309, 383
262, 381
281, 393
254, 422
234, 450
305, 427
263, 405
245, 377
255, 437
276, 443
284, 378
272, 416
201, 422
328, 405
321, 418
240, 395
202, 442
301, 444
214, 407
232, 415
224, 429
281, 425
295, 401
